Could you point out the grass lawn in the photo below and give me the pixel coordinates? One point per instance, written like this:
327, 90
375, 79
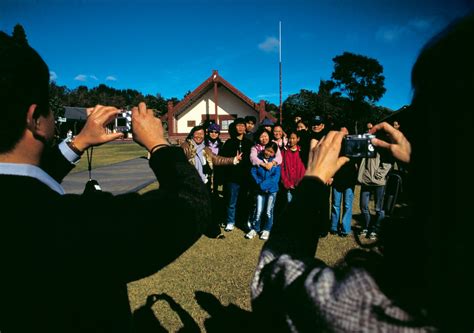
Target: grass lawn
111, 153
221, 269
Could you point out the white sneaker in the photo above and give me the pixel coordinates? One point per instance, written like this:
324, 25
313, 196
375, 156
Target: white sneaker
229, 227
265, 234
251, 234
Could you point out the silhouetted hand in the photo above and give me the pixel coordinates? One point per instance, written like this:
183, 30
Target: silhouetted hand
229, 318
398, 146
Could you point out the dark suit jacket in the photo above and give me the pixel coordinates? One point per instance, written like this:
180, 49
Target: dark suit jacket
65, 260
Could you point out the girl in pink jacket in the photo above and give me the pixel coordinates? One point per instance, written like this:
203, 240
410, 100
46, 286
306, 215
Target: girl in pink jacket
292, 168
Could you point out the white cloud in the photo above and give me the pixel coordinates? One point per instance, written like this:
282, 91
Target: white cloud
266, 96
53, 76
81, 77
110, 78
269, 45
390, 34
413, 26
421, 24
85, 78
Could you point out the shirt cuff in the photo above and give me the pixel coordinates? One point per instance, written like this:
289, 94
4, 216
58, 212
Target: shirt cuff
68, 153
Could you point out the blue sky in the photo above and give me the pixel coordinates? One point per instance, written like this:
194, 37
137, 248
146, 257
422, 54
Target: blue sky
170, 47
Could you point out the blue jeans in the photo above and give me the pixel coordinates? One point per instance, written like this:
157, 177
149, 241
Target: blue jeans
232, 193
264, 202
370, 224
348, 194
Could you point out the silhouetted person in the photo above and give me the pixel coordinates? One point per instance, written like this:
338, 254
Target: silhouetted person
420, 277
146, 322
66, 259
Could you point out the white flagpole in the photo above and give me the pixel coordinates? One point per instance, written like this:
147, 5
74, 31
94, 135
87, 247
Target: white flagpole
279, 44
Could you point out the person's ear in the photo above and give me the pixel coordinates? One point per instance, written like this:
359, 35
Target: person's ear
31, 119
36, 123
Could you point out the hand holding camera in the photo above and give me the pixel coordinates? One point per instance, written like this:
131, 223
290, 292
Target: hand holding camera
324, 156
399, 146
147, 129
94, 132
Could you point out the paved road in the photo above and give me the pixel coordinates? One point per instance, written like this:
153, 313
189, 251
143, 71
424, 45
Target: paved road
123, 177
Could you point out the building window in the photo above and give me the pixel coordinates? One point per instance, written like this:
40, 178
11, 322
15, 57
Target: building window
191, 123
225, 124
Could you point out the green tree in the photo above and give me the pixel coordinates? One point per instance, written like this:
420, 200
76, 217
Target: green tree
273, 109
19, 34
302, 104
79, 97
360, 79
57, 99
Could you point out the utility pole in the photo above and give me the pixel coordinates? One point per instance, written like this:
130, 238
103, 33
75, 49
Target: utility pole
279, 44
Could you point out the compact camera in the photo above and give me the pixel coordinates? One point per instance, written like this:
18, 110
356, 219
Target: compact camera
123, 122
358, 145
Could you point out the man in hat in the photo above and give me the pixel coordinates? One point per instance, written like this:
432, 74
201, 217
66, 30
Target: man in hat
318, 128
236, 177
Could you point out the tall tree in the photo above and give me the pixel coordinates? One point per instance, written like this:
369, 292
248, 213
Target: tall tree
303, 104
19, 34
272, 108
360, 79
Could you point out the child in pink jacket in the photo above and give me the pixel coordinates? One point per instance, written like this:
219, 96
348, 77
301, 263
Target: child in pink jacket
292, 168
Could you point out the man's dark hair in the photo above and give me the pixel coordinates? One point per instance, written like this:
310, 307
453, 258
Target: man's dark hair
24, 80
250, 119
435, 257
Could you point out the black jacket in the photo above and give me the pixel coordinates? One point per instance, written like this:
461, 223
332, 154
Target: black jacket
239, 173
66, 260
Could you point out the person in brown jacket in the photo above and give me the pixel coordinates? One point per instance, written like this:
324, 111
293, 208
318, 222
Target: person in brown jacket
204, 160
202, 157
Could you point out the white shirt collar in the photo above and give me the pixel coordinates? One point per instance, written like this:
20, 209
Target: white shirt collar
28, 170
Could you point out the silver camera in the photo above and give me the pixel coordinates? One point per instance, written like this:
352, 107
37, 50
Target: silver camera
358, 145
123, 122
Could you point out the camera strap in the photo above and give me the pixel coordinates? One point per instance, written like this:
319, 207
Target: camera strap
89, 161
92, 186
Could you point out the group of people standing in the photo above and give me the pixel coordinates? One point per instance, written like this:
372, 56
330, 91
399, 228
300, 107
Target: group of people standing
259, 167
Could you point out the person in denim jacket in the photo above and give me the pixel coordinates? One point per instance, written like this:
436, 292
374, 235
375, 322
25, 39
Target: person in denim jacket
266, 190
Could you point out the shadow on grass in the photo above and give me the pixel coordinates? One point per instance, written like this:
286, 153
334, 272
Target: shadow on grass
229, 318
145, 320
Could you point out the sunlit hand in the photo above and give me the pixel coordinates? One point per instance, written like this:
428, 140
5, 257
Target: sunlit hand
269, 166
324, 159
94, 132
238, 156
147, 129
398, 145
